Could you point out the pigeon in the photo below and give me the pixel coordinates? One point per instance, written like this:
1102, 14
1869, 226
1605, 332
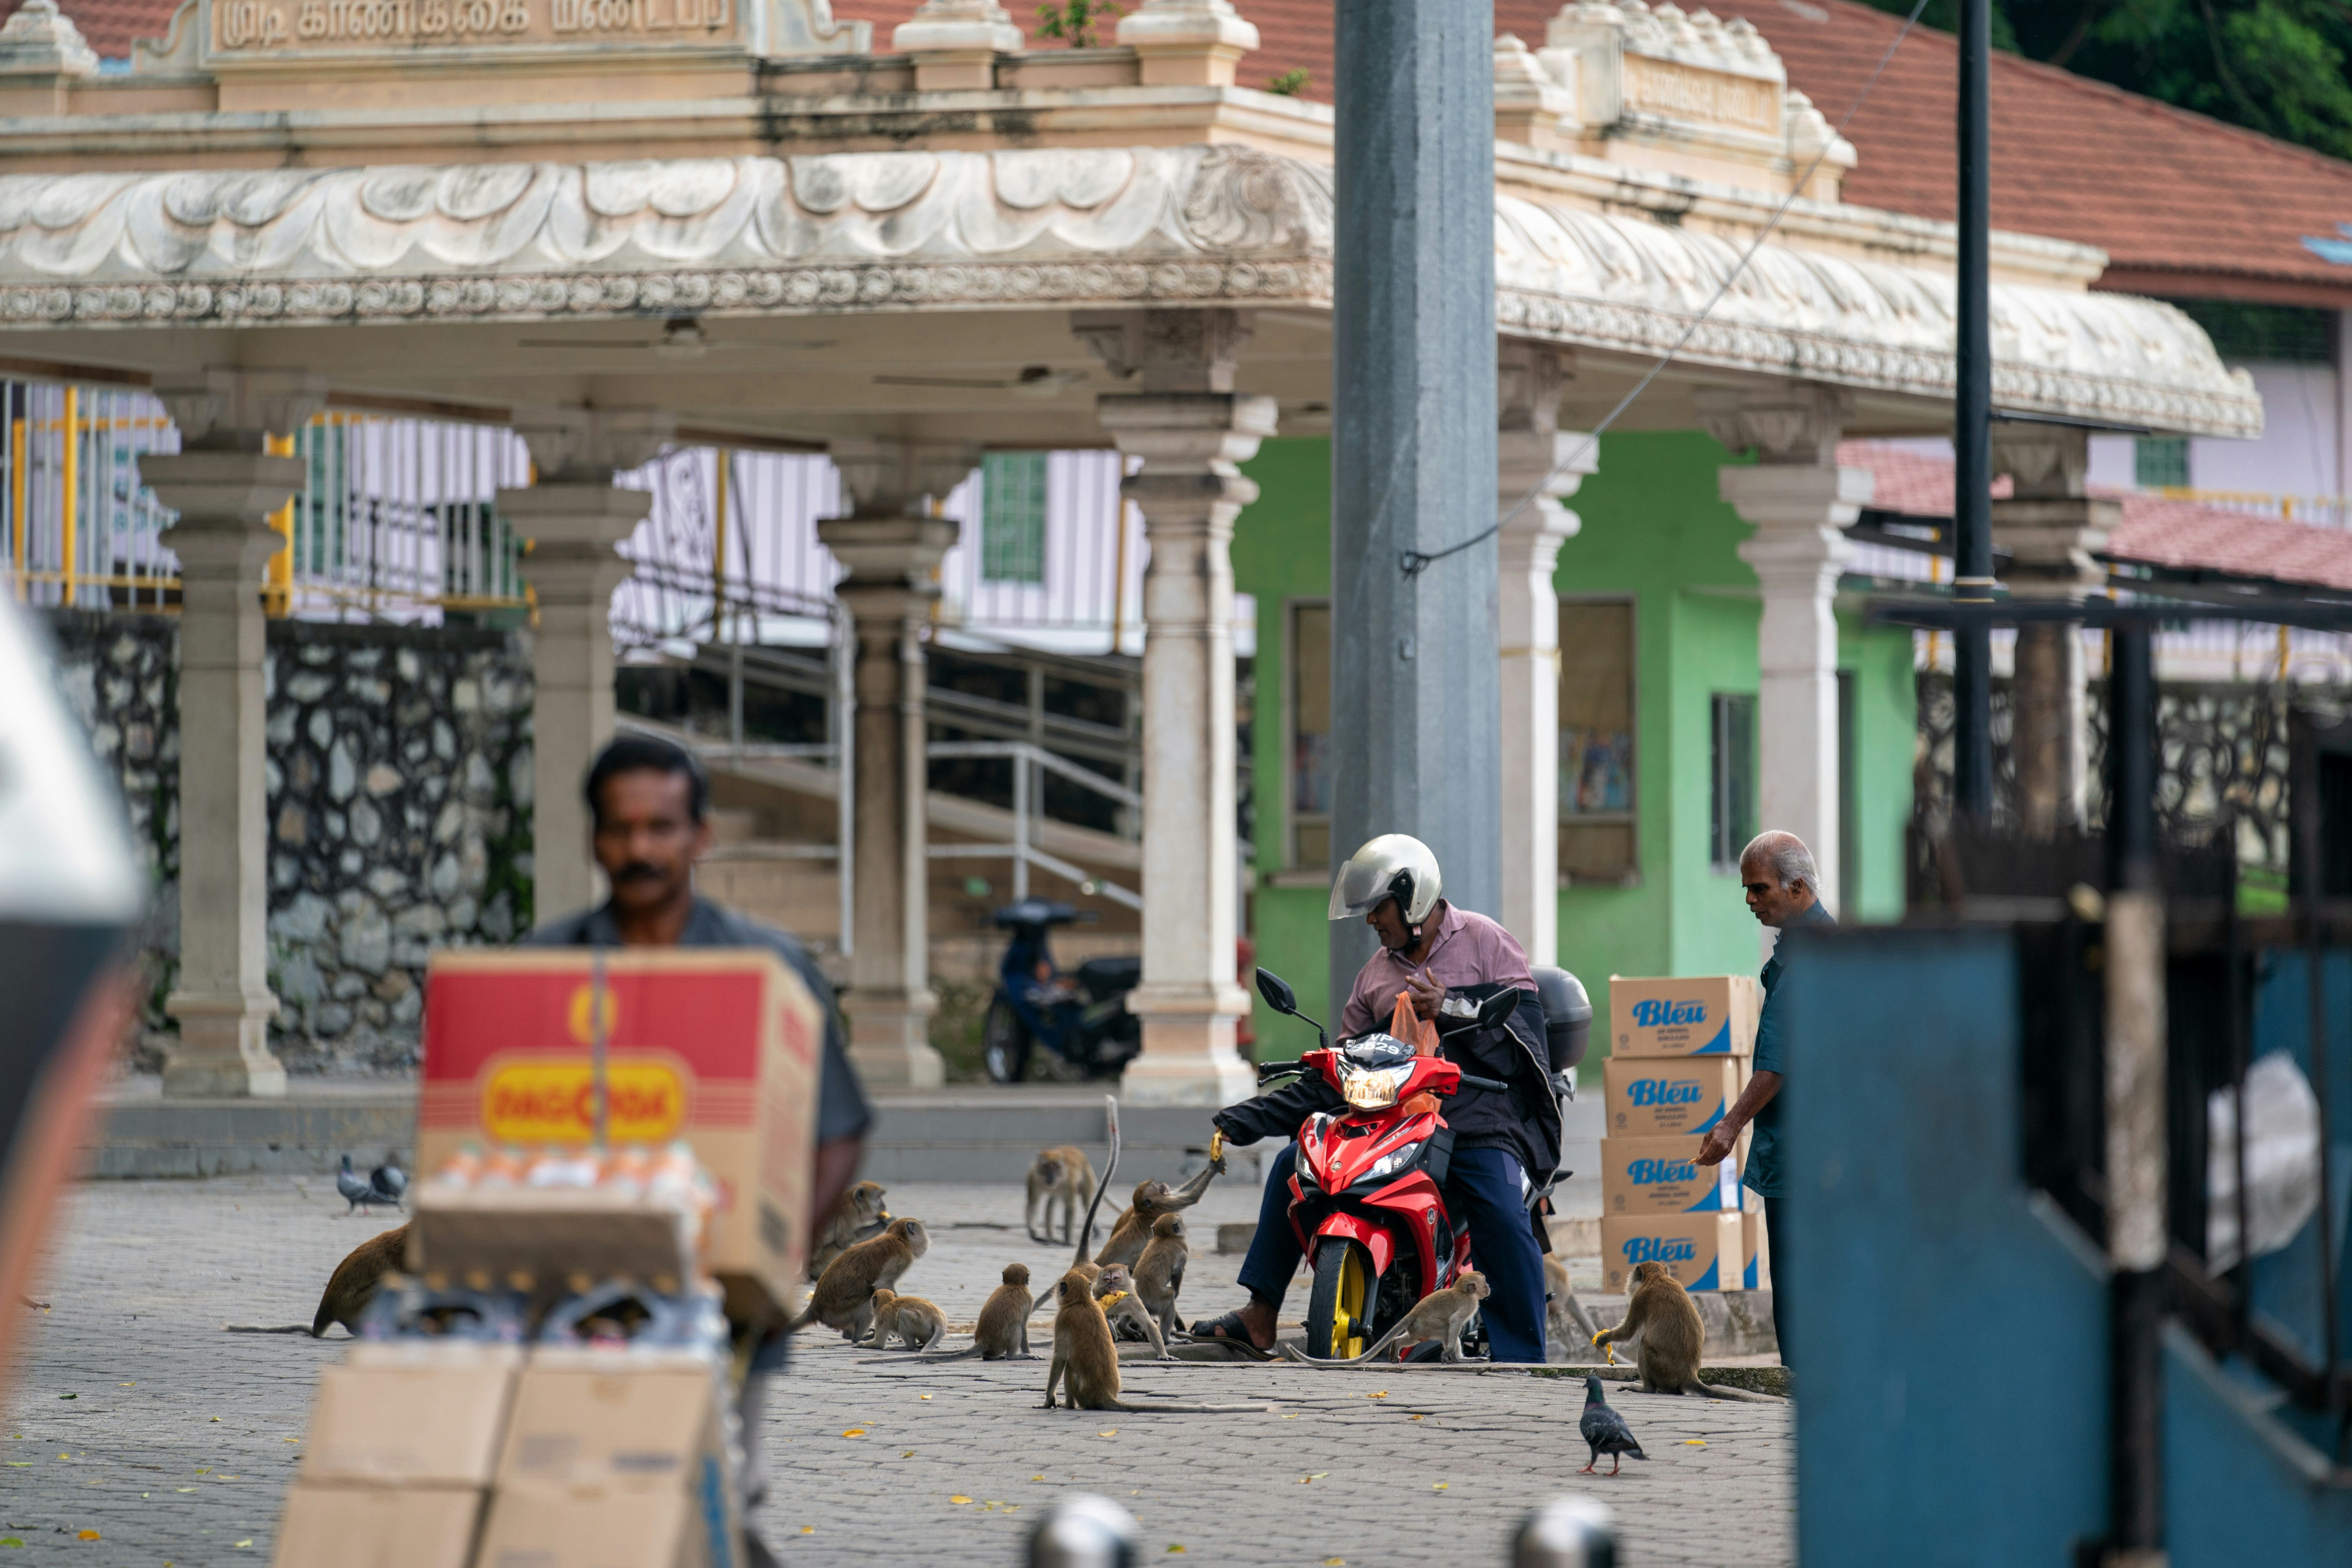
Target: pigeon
390, 1181
1605, 1431
357, 1190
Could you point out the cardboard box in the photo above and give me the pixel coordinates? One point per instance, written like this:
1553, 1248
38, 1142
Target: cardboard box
403, 1414
720, 1046
632, 1420
1701, 1250
1665, 1097
1707, 1015
1756, 1249
595, 1527
1662, 1175
329, 1526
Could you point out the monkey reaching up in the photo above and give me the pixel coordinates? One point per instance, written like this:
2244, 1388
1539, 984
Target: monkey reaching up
859, 1216
1060, 1179
1086, 1358
1159, 1272
1132, 1232
1668, 1339
843, 1298
911, 1318
1440, 1315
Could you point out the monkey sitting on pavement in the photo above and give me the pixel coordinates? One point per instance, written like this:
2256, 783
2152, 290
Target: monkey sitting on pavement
911, 1318
1059, 1180
859, 1216
1086, 1357
1667, 1337
1565, 1322
1132, 1231
844, 1296
1159, 1272
1440, 1315
1113, 1288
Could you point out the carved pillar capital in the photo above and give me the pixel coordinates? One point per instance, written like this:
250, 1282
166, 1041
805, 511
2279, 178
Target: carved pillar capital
1532, 452
570, 445
1169, 351
1798, 424
887, 476
221, 408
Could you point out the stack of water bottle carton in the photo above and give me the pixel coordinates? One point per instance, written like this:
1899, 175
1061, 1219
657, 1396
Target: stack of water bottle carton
1680, 1054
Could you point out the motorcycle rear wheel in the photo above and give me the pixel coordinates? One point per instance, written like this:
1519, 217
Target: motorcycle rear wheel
1339, 1309
1004, 1042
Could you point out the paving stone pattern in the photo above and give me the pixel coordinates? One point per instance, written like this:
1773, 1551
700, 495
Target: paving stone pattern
399, 781
1340, 1469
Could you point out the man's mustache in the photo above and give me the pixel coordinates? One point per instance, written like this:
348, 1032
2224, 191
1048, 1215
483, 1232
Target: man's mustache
638, 871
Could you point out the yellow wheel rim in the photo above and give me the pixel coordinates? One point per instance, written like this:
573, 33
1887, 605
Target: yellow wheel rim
1347, 1338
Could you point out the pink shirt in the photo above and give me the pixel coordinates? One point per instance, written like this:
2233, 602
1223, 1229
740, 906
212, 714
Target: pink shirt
1470, 950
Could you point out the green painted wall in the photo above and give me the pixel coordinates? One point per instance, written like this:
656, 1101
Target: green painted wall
1655, 530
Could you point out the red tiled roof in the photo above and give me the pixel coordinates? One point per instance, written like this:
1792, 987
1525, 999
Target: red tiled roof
2181, 534
2183, 205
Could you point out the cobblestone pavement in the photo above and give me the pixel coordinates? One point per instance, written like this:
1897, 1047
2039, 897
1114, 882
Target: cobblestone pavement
135, 1417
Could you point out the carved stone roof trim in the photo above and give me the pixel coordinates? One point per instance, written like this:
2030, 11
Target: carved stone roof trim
1045, 228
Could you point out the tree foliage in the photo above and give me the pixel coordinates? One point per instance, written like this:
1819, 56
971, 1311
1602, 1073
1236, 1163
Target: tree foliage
2274, 65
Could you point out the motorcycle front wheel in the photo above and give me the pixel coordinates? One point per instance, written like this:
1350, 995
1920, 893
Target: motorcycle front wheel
1339, 1309
1004, 1042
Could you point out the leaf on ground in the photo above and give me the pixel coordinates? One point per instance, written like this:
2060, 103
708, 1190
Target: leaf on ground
68, 1396
86, 1535
958, 1499
1382, 1394
247, 1541
1414, 1418
908, 1455
1036, 1477
808, 1530
855, 1432
1112, 1433
1438, 1486
1694, 1442
923, 1396
20, 1464
1175, 1546
183, 1488
12, 1542
1335, 1563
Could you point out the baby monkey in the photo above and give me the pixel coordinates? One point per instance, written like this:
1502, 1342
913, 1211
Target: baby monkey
909, 1318
1086, 1361
1440, 1315
1130, 1318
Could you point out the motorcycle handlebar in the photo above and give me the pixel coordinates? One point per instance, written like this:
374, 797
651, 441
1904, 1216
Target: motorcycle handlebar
1492, 1083
1276, 1069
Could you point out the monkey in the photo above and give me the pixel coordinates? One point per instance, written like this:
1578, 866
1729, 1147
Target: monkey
1086, 1357
1059, 1180
1566, 1321
1132, 1232
859, 1216
1114, 1288
1440, 1315
353, 1285
1159, 1272
843, 1298
1667, 1337
1003, 1331
911, 1318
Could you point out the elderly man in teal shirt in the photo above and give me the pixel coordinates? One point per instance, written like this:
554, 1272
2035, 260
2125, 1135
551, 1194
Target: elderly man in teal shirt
1784, 892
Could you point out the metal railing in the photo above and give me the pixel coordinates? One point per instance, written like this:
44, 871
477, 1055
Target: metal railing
2319, 511
1028, 761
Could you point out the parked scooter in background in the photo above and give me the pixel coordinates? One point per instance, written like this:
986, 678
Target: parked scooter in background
1080, 1020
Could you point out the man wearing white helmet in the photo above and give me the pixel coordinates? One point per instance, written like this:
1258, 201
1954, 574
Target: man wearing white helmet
1506, 1144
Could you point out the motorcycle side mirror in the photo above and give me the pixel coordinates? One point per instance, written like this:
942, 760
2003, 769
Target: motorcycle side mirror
1277, 993
1498, 1007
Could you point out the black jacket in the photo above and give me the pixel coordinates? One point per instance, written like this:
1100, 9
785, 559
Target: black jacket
1525, 1120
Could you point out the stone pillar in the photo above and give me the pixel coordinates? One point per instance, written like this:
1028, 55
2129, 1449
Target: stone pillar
224, 486
1530, 448
573, 516
1800, 501
2049, 526
955, 43
1416, 702
1187, 43
1192, 431
892, 542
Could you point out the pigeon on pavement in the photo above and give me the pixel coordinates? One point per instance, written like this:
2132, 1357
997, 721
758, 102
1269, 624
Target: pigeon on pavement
1605, 1431
356, 1189
390, 1181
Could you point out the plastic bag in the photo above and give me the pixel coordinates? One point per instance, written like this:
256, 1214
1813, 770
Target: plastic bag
2281, 1160
1421, 1034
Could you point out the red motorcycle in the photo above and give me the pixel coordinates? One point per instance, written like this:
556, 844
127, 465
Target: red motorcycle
1366, 1198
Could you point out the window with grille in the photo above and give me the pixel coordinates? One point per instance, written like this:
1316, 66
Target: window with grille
1012, 518
2160, 462
1731, 794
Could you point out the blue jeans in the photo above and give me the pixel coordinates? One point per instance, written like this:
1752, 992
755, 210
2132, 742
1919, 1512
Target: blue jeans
1482, 1188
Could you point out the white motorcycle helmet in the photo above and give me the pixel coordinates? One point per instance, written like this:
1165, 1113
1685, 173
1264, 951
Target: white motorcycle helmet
1393, 866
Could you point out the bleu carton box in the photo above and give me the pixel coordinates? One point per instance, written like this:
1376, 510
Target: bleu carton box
1666, 1097
1662, 1175
1700, 1250
1701, 1015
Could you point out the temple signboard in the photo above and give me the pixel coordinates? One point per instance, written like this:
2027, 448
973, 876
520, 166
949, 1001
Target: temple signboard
242, 32
1673, 90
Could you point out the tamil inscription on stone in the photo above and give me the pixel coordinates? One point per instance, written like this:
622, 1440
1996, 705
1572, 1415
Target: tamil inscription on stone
266, 29
1676, 91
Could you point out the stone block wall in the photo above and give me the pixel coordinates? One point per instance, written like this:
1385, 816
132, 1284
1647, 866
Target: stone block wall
399, 812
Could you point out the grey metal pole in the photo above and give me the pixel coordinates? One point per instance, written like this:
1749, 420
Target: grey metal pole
1972, 429
1416, 704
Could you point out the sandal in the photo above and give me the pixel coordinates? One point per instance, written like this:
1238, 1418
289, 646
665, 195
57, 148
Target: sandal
1229, 1329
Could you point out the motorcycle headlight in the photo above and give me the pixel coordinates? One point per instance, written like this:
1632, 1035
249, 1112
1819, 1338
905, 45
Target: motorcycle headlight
1373, 1089
1394, 1161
